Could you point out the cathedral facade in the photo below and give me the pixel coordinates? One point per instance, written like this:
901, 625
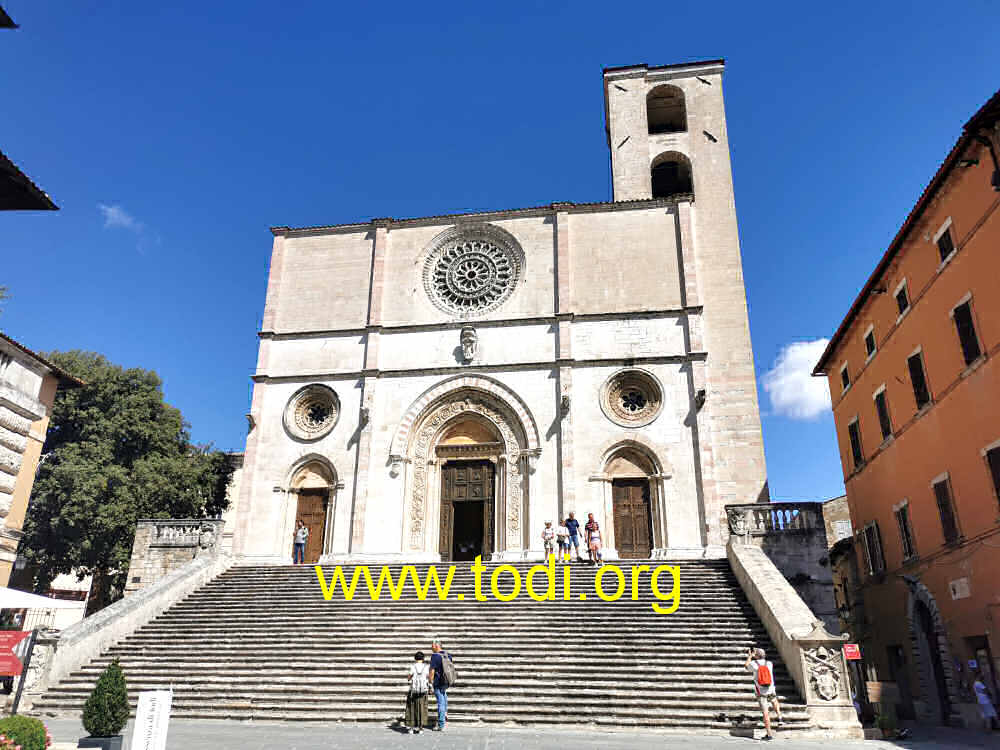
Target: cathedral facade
438, 388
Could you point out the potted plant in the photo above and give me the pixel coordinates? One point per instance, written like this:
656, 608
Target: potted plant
106, 711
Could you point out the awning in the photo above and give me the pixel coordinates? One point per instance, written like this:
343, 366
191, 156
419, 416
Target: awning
14, 599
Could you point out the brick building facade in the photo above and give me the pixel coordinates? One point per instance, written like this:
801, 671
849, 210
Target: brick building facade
915, 386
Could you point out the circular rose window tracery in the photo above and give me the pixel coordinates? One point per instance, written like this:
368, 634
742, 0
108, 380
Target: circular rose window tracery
632, 398
312, 412
470, 271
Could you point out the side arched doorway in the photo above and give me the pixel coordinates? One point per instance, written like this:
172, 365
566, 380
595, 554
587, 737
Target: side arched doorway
631, 503
932, 656
313, 485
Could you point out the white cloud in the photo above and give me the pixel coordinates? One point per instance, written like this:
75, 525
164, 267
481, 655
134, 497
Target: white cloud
793, 391
117, 217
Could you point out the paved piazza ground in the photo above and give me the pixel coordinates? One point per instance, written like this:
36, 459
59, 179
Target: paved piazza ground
223, 735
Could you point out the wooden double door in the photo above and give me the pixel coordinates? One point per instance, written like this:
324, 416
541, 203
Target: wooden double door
312, 510
633, 518
467, 491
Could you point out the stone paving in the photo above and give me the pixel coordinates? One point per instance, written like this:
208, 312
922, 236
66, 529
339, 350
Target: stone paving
223, 735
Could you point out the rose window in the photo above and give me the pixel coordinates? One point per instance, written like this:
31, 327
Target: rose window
632, 398
472, 271
312, 412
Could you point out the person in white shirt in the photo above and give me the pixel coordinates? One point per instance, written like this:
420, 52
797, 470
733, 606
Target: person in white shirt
562, 539
986, 708
416, 696
763, 685
549, 539
299, 542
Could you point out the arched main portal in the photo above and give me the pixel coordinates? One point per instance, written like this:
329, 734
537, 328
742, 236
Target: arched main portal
468, 446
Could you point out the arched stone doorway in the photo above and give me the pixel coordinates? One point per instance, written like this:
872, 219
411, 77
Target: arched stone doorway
932, 656
634, 493
312, 491
468, 448
631, 506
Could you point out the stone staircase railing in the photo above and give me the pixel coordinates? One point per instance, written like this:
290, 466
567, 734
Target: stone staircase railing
813, 656
58, 653
759, 519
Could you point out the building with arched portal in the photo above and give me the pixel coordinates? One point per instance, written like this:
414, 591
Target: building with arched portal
439, 387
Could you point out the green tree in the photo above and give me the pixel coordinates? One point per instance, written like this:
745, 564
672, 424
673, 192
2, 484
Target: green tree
114, 453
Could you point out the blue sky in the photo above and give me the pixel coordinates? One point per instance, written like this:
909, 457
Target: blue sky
173, 135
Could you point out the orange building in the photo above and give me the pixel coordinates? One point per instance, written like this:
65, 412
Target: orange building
915, 383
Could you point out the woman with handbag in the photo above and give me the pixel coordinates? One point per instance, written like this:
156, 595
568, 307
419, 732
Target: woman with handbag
416, 697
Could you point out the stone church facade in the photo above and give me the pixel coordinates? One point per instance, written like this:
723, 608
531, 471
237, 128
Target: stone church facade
439, 387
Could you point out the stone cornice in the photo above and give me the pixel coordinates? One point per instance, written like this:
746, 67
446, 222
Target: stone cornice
481, 216
502, 367
671, 312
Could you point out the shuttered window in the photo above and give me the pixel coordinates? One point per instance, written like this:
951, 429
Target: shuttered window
993, 460
921, 393
905, 532
902, 300
883, 414
854, 433
946, 509
945, 244
873, 548
967, 332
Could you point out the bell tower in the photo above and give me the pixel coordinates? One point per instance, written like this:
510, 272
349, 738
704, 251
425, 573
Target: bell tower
666, 129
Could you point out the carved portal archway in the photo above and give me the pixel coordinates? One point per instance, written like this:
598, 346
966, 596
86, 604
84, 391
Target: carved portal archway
427, 451
312, 483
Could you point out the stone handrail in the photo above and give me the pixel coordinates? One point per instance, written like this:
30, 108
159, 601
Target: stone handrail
59, 653
759, 519
813, 656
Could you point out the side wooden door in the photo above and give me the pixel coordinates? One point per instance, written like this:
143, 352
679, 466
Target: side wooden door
633, 522
312, 511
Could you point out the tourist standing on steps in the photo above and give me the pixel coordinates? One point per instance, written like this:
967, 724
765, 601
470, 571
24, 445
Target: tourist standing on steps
562, 539
573, 526
299, 543
416, 698
549, 539
440, 685
593, 530
763, 685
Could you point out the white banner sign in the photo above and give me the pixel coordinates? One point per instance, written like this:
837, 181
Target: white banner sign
151, 719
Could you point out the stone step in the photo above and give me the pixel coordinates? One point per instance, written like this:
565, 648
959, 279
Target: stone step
260, 642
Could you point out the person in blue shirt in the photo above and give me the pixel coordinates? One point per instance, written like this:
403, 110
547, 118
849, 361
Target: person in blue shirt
436, 678
574, 533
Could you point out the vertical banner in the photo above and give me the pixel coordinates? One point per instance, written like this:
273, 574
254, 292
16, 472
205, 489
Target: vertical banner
151, 719
10, 665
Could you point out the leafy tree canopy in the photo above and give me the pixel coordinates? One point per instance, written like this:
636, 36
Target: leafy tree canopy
114, 453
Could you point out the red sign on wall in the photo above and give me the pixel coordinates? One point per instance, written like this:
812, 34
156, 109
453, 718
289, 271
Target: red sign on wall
852, 652
9, 663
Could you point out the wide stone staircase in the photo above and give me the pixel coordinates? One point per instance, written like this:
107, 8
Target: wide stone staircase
262, 643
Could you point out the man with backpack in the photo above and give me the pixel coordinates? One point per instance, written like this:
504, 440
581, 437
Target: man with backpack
442, 676
763, 685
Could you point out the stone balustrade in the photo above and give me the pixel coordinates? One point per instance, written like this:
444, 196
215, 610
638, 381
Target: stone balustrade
761, 519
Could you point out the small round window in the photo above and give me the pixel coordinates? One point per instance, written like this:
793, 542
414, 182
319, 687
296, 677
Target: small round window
632, 398
312, 412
